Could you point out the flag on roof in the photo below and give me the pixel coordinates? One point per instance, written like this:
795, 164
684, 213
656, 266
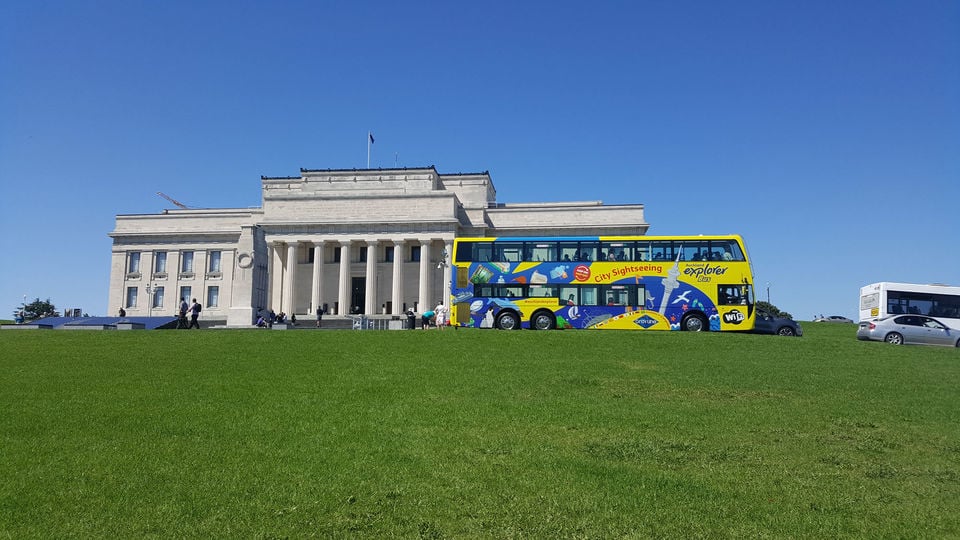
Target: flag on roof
371, 137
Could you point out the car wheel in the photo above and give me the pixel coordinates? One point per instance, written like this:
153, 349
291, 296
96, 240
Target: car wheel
894, 338
508, 320
786, 331
693, 322
543, 320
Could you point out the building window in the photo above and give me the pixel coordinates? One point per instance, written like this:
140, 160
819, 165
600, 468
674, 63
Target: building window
186, 261
388, 254
336, 254
414, 253
131, 297
213, 296
160, 262
214, 261
310, 255
158, 297
133, 262
185, 293
362, 256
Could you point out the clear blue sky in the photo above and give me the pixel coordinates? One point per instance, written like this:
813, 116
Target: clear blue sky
826, 133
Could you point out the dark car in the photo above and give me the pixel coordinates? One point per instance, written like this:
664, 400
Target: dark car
767, 323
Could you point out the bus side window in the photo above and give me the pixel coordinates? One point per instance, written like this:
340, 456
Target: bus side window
729, 295
568, 251
734, 251
465, 251
483, 252
541, 252
641, 297
589, 250
589, 296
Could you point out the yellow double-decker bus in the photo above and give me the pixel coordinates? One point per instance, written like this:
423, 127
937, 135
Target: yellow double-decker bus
692, 283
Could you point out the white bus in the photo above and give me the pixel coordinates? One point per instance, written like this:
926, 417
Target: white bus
886, 298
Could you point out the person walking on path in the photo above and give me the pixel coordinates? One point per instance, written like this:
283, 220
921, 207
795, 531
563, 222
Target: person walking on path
319, 316
194, 314
182, 314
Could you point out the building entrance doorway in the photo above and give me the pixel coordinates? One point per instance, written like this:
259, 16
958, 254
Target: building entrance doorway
358, 294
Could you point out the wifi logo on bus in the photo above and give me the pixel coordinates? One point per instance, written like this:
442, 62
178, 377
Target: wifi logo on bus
734, 317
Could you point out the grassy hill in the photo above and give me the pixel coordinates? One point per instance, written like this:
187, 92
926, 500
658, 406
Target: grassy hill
474, 433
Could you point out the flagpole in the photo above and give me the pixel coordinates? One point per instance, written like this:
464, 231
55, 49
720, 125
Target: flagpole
368, 149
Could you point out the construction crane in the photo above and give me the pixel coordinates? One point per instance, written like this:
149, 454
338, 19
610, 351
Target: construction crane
174, 201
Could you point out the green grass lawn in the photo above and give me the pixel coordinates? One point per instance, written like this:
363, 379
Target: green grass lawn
259, 434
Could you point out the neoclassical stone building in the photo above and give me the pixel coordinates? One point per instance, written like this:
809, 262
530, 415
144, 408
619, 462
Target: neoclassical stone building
370, 241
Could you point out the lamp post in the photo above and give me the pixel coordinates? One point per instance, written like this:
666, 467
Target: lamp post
768, 292
150, 291
442, 265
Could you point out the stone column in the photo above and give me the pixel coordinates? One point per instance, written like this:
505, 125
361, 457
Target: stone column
424, 298
447, 275
316, 294
242, 307
276, 278
397, 297
344, 290
370, 296
289, 304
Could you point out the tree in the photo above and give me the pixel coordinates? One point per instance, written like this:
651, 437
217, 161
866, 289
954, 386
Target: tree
773, 310
36, 309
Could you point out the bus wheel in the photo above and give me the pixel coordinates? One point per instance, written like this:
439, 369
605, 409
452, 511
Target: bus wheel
543, 320
508, 320
694, 322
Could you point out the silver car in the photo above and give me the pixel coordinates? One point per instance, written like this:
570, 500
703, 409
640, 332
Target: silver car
833, 318
915, 329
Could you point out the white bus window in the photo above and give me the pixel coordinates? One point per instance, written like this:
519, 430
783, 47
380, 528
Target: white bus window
540, 252
589, 296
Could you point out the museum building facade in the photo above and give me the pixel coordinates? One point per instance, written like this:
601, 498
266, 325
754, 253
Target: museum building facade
357, 241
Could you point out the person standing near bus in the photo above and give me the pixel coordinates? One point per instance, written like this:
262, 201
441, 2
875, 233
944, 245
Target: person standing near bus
426, 318
441, 311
